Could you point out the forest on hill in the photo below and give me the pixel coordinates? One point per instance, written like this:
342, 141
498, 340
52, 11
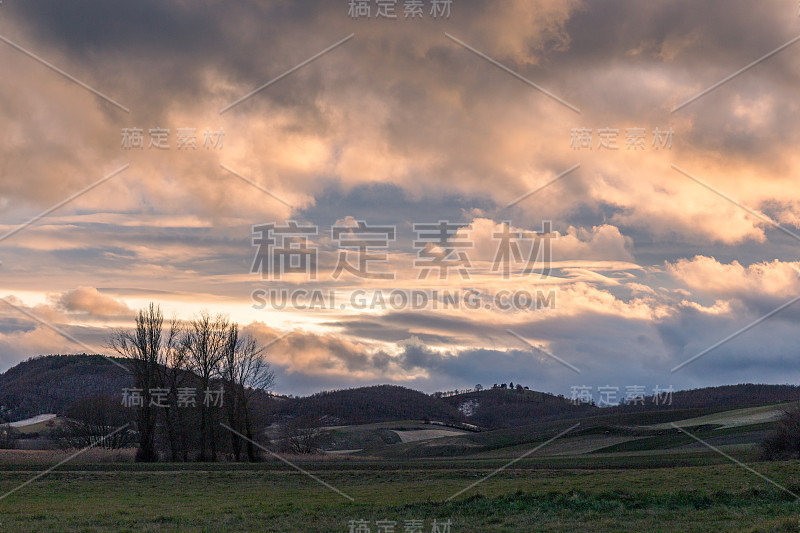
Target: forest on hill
54, 383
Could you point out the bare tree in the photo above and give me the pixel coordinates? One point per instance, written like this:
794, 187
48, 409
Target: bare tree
92, 421
784, 442
173, 375
143, 346
205, 342
231, 375
302, 434
245, 372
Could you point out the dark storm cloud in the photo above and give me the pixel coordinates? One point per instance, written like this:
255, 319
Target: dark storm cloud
385, 330
160, 56
765, 353
695, 44
385, 203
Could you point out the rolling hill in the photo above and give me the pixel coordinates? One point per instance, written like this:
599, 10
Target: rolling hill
51, 384
365, 405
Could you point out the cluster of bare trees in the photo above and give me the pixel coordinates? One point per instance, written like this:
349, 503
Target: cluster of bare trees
302, 434
784, 442
94, 421
207, 351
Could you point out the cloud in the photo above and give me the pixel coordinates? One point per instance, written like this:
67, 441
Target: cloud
706, 275
402, 125
91, 301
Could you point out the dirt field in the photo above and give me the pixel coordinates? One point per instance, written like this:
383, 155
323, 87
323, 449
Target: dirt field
427, 434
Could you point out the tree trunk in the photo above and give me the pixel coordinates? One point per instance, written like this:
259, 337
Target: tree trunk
203, 435
251, 449
173, 438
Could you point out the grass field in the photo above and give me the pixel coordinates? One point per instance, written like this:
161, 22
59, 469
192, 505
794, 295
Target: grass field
735, 417
629, 473
528, 496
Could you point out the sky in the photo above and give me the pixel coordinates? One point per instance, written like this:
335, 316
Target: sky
641, 155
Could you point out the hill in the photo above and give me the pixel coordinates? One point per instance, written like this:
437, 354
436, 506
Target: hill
366, 405
51, 384
507, 408
732, 396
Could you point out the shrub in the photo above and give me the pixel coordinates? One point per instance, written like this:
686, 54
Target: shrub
8, 437
785, 442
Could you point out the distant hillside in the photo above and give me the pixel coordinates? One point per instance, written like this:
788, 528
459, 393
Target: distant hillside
506, 408
50, 384
732, 396
366, 405
492, 409
722, 398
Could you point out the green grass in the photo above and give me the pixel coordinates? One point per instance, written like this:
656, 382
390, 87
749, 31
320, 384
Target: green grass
528, 496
